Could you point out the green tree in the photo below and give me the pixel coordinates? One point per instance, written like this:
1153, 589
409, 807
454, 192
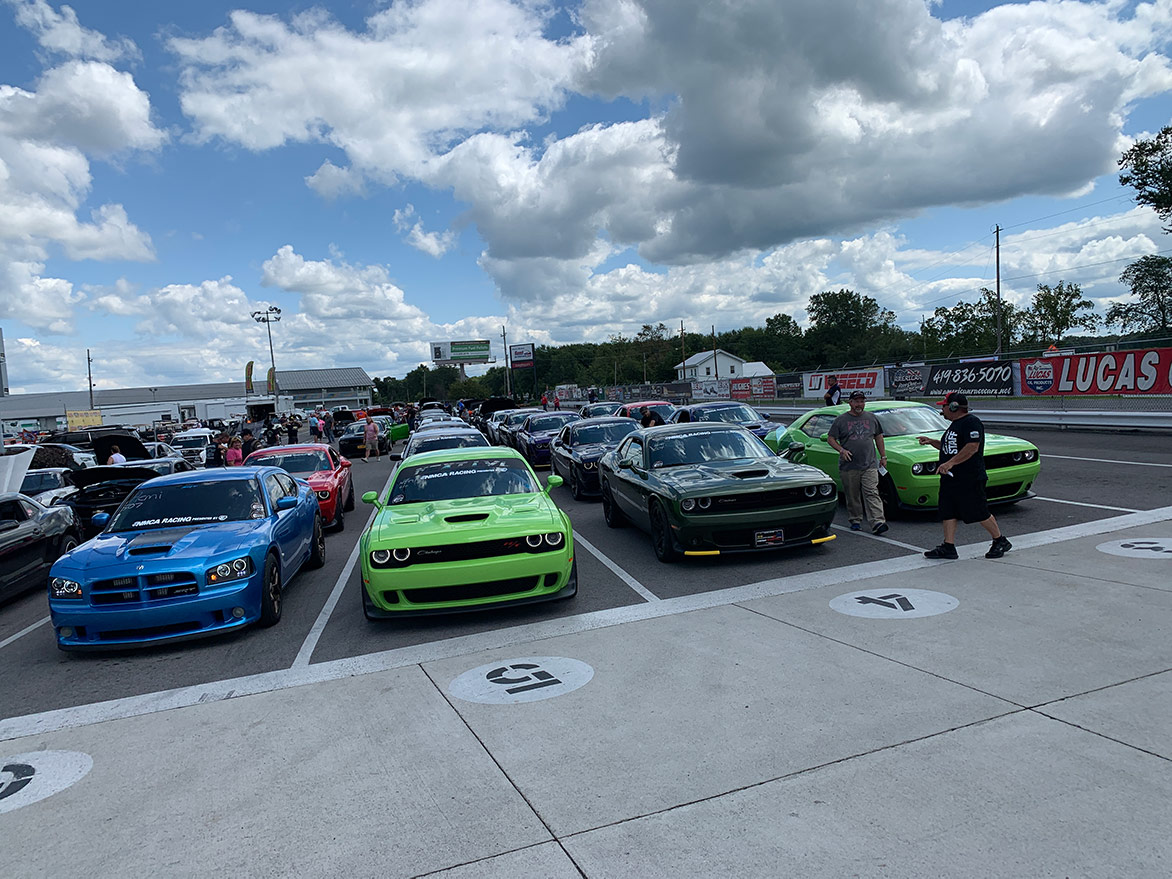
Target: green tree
1148, 169
1150, 279
1057, 310
971, 327
847, 327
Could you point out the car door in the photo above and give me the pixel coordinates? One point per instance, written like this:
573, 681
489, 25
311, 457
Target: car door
629, 488
559, 452
22, 548
285, 530
819, 452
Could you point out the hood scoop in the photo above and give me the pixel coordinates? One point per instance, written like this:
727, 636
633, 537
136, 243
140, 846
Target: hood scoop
750, 474
149, 550
157, 542
467, 517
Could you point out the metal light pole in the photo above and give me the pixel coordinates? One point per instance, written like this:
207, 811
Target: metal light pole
267, 317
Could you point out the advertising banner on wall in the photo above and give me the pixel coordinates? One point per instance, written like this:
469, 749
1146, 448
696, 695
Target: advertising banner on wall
787, 385
908, 381
869, 381
521, 355
758, 387
717, 389
476, 351
1148, 371
989, 379
80, 419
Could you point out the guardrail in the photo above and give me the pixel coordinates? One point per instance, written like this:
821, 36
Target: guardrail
1048, 418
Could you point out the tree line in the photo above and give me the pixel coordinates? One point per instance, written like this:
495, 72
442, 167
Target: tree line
849, 328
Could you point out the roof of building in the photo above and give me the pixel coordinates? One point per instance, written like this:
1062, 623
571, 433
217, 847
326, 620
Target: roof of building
755, 368
702, 356
290, 380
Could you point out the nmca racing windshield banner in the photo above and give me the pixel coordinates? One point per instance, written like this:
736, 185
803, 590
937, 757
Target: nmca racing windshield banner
1147, 371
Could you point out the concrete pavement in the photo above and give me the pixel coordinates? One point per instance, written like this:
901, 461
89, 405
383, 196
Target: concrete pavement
982, 718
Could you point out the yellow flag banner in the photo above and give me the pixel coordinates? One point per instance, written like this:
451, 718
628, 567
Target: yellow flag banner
248, 389
272, 380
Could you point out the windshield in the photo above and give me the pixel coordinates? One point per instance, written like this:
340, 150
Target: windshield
356, 428
450, 480
701, 446
449, 442
727, 414
603, 433
516, 417
189, 442
912, 420
551, 422
34, 483
294, 462
161, 467
189, 503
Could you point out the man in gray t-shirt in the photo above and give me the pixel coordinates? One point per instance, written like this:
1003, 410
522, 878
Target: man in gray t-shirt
858, 438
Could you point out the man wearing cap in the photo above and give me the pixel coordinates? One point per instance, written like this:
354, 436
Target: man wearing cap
856, 435
833, 395
962, 478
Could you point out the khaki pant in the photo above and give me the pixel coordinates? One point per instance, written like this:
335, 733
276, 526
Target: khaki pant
861, 487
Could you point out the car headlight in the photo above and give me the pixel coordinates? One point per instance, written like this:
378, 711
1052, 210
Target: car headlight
1031, 454
380, 556
236, 569
324, 494
687, 505
811, 491
62, 588
401, 554
826, 490
589, 465
925, 468
704, 503
555, 538
1017, 457
534, 540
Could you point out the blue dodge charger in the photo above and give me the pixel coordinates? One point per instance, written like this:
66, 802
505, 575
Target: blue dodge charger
187, 555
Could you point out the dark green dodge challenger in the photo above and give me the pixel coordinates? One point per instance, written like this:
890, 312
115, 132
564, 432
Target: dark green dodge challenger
705, 489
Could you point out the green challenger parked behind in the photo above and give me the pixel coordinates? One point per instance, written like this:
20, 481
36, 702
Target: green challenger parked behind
911, 482
464, 529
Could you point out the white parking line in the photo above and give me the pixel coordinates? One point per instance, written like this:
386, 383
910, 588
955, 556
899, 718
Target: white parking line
616, 570
879, 537
319, 625
464, 645
1108, 461
22, 632
1055, 500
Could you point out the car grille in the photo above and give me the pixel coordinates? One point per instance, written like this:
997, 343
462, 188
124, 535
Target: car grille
473, 591
1004, 459
742, 538
152, 587
462, 552
1002, 491
762, 500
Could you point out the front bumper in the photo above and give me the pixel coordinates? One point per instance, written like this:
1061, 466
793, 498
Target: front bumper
1005, 485
800, 524
468, 585
158, 621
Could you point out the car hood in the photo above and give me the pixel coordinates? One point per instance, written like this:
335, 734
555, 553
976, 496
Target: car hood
749, 474
593, 451
94, 475
482, 518
192, 544
909, 447
128, 445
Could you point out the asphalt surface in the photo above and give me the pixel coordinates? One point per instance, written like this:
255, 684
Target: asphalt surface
1085, 477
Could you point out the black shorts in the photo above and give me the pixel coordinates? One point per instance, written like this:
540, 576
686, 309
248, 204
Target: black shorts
963, 499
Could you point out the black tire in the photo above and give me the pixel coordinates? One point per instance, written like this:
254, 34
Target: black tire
349, 505
68, 542
610, 511
317, 552
339, 516
575, 484
271, 602
661, 540
889, 496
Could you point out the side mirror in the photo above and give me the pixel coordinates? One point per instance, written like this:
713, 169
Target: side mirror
345, 462
624, 464
100, 520
284, 503
795, 452
825, 437
553, 482
371, 497
396, 456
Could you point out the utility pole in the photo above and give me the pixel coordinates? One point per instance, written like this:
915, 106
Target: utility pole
90, 372
508, 369
997, 233
683, 354
715, 366
644, 367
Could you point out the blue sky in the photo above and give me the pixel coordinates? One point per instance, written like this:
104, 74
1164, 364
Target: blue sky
395, 173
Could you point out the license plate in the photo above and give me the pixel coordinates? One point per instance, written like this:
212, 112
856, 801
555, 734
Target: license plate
362, 445
776, 537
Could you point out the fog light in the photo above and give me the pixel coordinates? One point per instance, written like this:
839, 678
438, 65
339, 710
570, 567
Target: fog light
238, 612
66, 631
922, 499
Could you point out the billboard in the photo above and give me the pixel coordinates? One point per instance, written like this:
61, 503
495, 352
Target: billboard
80, 419
758, 387
1148, 371
521, 355
476, 351
984, 379
869, 381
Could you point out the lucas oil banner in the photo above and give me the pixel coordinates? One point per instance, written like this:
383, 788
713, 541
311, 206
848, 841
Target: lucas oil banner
1147, 371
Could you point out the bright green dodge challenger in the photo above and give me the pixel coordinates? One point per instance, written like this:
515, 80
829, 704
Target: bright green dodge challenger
911, 483
463, 529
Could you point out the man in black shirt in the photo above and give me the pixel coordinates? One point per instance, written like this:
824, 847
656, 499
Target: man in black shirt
962, 478
833, 395
248, 444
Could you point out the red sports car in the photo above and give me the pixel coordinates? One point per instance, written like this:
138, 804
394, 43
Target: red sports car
634, 410
327, 473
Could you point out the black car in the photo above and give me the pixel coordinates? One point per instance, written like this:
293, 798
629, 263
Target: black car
32, 537
724, 412
102, 490
536, 432
507, 427
576, 450
432, 440
352, 444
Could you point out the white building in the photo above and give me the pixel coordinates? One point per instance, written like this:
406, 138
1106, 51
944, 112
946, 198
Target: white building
700, 366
